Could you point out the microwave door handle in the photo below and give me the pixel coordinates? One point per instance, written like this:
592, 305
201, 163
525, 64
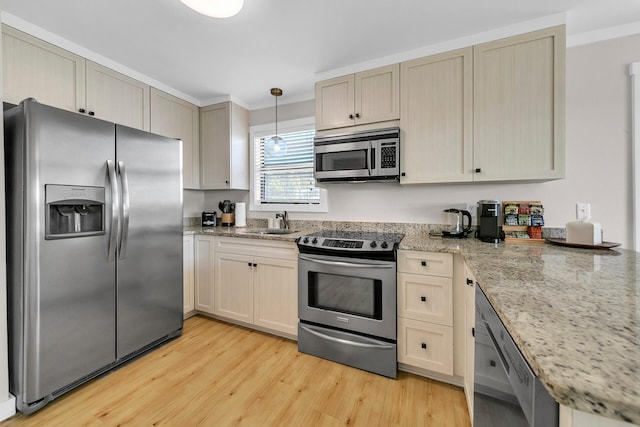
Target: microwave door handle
372, 156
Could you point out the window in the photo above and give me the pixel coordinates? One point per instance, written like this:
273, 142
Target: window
282, 179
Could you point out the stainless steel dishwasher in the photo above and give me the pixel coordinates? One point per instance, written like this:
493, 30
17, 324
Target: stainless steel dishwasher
506, 391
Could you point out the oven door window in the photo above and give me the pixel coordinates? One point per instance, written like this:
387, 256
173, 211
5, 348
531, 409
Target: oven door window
358, 296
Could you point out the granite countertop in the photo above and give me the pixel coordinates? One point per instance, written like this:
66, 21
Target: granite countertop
574, 313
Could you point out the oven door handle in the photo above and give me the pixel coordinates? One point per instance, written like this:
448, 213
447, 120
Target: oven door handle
346, 342
345, 264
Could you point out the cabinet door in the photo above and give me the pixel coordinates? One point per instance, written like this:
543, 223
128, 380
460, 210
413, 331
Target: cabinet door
519, 107
436, 122
426, 298
335, 99
204, 273
117, 98
215, 129
234, 286
425, 345
470, 320
377, 95
188, 271
276, 295
175, 118
32, 68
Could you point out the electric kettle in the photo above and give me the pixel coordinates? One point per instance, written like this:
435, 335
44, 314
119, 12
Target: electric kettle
454, 223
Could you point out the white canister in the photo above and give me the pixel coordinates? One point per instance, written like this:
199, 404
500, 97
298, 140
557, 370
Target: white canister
241, 214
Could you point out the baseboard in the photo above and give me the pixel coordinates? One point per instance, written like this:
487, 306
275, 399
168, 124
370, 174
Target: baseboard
8, 408
453, 380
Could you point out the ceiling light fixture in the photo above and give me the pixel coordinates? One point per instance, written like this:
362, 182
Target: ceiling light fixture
215, 8
276, 146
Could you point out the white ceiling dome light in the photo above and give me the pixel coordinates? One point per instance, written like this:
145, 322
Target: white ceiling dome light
215, 8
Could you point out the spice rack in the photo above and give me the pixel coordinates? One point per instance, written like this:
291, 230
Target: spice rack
523, 221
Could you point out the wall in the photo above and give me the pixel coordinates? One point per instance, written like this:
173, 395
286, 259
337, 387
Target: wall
598, 170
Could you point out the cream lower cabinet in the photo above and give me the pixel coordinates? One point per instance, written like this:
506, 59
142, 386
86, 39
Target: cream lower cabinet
204, 273
425, 310
256, 282
188, 272
176, 118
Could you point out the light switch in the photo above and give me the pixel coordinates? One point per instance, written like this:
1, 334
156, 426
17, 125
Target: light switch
583, 211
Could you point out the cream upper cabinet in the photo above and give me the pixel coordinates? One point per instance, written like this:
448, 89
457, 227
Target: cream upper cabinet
32, 68
116, 98
176, 118
367, 97
224, 147
437, 118
36, 69
519, 111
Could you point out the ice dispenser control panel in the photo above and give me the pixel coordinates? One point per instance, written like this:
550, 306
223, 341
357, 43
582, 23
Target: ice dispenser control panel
73, 211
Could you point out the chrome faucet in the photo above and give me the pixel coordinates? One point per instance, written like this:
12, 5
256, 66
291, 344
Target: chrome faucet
285, 219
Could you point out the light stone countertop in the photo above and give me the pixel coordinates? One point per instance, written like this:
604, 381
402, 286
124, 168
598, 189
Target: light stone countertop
574, 313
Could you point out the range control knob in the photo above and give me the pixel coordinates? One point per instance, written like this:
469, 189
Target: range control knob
373, 244
314, 241
384, 245
305, 240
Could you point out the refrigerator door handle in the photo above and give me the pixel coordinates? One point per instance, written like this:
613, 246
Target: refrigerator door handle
115, 215
122, 250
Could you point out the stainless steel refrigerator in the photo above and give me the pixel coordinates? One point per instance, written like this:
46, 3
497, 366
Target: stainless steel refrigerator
94, 246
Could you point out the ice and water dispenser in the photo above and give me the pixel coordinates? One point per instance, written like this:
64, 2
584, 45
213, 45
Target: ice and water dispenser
73, 211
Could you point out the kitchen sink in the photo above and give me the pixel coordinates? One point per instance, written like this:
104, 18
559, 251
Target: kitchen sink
270, 231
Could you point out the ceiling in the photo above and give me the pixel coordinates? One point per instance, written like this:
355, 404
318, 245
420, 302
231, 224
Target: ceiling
286, 43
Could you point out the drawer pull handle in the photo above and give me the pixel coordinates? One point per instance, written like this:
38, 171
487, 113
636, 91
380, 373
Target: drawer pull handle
423, 299
492, 363
469, 281
424, 345
423, 263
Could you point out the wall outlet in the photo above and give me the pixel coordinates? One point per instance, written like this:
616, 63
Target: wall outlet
473, 210
583, 211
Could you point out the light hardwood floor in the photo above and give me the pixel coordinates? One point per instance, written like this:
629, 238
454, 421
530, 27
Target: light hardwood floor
217, 374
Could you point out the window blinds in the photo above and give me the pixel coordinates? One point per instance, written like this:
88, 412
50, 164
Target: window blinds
287, 176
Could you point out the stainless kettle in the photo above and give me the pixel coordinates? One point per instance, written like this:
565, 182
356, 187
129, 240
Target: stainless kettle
455, 224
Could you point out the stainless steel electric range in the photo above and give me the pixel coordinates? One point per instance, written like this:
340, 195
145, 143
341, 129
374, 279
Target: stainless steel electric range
347, 298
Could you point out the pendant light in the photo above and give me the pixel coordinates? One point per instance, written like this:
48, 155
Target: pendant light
275, 146
215, 8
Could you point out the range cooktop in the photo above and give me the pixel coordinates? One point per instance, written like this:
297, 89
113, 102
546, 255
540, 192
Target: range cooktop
350, 243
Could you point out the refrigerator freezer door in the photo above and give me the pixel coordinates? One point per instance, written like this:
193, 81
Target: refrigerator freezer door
66, 286
149, 273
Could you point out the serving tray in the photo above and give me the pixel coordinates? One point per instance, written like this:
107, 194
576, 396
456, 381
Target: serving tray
603, 245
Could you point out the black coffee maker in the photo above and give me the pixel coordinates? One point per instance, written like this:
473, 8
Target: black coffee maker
489, 221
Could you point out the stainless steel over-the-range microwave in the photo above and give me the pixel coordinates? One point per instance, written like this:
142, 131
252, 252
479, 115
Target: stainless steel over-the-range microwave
361, 156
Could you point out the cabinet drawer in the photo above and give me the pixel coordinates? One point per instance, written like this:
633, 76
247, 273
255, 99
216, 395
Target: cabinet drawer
425, 345
432, 263
257, 247
426, 298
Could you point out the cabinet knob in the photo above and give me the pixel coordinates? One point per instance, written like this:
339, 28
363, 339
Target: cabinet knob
226, 181
492, 363
403, 174
357, 115
478, 170
469, 281
81, 110
351, 116
423, 299
91, 113
423, 345
249, 264
255, 265
423, 263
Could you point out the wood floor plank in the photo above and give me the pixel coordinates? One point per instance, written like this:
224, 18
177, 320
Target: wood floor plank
217, 374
